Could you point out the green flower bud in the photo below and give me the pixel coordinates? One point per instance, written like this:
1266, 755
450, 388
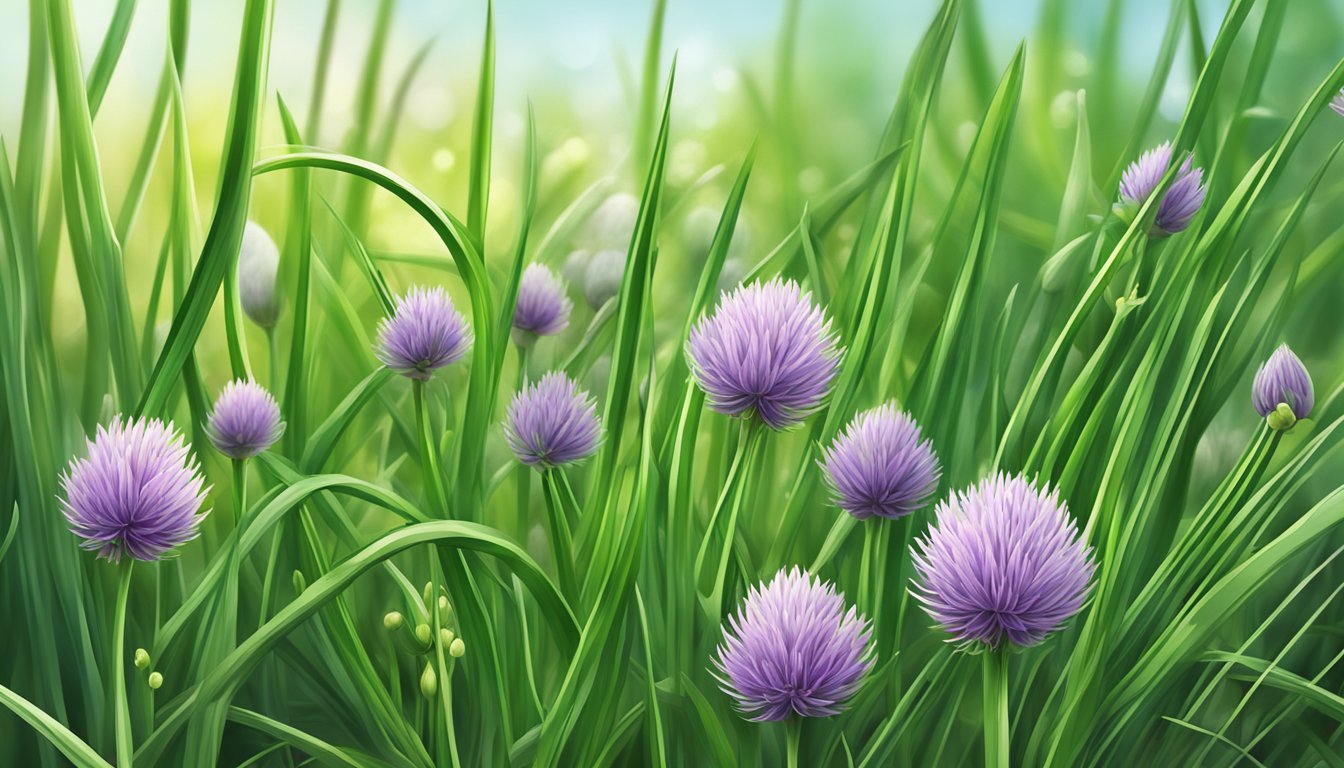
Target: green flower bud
392, 621
1281, 418
443, 604
141, 658
155, 680
428, 593
300, 583
429, 682
446, 636
423, 634
457, 649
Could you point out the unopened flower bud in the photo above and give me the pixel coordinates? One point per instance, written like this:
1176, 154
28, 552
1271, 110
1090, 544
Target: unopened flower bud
446, 636
392, 620
429, 682
443, 604
457, 649
423, 634
258, 260
155, 680
141, 658
1283, 383
300, 583
613, 223
602, 279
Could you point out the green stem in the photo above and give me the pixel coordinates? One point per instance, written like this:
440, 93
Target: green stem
524, 476
562, 545
429, 454
273, 366
445, 671
125, 747
793, 733
239, 493
712, 575
996, 708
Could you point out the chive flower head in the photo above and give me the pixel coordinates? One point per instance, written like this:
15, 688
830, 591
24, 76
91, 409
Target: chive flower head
793, 648
1183, 198
543, 307
1003, 561
552, 423
138, 492
879, 466
425, 333
245, 420
1283, 379
767, 349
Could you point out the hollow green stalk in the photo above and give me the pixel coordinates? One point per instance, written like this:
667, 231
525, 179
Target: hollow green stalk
995, 668
125, 745
712, 575
793, 734
562, 545
429, 454
524, 476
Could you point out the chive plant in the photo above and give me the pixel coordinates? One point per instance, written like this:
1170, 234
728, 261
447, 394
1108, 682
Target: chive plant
987, 445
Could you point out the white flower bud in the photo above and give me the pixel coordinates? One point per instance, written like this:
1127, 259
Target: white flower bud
613, 223
602, 280
258, 260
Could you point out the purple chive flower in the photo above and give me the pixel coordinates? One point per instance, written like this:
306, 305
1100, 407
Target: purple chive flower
1283, 379
137, 493
424, 334
1182, 199
245, 421
880, 466
1337, 103
552, 423
1003, 561
793, 649
542, 308
767, 349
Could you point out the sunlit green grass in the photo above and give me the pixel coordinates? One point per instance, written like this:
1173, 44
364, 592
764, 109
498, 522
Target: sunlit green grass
976, 272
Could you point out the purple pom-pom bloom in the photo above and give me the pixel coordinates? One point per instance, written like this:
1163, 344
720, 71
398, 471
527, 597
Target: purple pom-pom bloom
245, 421
766, 349
1003, 561
424, 334
1183, 198
879, 466
552, 423
1337, 103
137, 493
542, 308
793, 649
1283, 379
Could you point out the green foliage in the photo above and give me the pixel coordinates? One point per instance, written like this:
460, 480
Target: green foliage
975, 269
